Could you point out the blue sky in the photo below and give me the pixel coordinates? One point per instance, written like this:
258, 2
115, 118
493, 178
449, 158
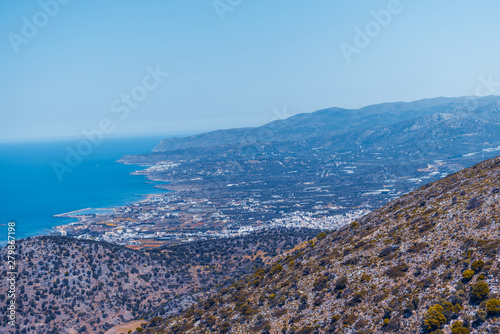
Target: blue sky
265, 59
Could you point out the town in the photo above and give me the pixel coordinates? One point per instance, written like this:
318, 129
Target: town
166, 219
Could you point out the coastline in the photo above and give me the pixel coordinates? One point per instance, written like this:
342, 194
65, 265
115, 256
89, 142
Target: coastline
202, 205
78, 213
187, 210
81, 215
34, 195
68, 214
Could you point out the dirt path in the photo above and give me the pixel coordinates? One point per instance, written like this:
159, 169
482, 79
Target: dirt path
124, 328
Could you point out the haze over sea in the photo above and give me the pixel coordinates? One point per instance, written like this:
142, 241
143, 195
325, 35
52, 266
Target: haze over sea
31, 194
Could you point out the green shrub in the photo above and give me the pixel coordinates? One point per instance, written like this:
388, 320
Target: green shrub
458, 328
493, 307
356, 299
365, 278
349, 319
467, 275
321, 283
458, 297
276, 269
450, 311
307, 329
397, 271
481, 315
246, 309
387, 312
389, 250
477, 265
225, 327
320, 236
415, 301
434, 318
341, 283
210, 319
479, 292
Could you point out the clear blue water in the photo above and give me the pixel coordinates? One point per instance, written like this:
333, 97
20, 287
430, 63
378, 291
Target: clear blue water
31, 193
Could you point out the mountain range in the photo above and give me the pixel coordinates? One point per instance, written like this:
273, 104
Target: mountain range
473, 121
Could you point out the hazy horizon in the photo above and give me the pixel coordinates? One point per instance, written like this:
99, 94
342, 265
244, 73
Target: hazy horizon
196, 67
186, 133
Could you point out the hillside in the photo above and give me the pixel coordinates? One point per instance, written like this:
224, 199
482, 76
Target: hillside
80, 286
425, 262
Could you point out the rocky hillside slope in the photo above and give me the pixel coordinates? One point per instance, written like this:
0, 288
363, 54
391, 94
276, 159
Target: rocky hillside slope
427, 262
67, 285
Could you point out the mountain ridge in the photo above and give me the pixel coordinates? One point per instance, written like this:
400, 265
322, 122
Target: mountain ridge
330, 121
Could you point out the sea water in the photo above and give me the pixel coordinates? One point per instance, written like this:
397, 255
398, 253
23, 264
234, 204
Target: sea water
31, 192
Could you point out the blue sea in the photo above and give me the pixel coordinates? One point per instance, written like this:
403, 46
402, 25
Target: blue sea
31, 192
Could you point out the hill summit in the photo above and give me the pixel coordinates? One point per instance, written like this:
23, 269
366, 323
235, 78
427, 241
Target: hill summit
424, 263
